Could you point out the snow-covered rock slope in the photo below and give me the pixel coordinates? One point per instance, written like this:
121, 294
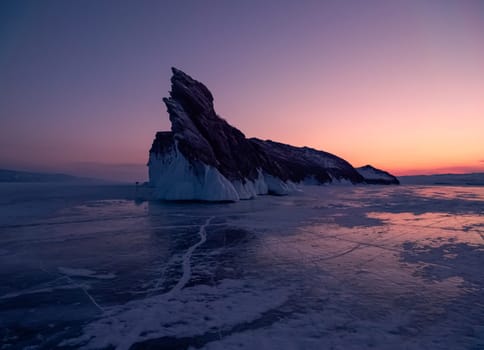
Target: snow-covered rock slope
205, 158
376, 176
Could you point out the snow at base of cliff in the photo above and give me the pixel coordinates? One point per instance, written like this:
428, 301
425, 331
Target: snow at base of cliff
175, 178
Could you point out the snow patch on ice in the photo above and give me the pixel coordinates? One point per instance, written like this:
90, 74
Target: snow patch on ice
231, 302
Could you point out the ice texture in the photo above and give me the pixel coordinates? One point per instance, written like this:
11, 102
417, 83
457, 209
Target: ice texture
84, 273
341, 267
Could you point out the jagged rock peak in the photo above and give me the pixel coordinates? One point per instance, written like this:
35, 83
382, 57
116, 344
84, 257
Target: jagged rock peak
192, 94
203, 157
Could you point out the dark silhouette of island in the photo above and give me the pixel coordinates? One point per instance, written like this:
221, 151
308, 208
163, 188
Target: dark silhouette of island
205, 158
469, 179
7, 175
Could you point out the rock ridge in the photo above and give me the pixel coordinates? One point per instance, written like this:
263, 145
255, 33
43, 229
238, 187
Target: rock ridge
203, 157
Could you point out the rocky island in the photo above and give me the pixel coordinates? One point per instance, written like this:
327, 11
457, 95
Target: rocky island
205, 158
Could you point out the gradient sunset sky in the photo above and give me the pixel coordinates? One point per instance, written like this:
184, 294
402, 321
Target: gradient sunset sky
396, 84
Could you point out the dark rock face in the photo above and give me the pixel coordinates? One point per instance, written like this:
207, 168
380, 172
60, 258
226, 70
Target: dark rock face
205, 139
376, 176
298, 164
203, 136
163, 142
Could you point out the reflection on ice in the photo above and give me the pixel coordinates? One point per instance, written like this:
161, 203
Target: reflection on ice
335, 267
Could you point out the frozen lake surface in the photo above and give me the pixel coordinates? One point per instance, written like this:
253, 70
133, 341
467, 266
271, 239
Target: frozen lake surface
351, 267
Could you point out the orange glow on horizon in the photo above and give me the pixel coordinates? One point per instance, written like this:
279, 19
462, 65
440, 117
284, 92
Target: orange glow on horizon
395, 84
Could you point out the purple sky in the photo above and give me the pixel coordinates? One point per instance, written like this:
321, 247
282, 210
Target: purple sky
398, 84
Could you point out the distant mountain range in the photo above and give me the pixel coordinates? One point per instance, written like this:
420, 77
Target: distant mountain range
473, 179
7, 175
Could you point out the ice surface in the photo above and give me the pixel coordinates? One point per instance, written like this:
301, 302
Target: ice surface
342, 267
84, 273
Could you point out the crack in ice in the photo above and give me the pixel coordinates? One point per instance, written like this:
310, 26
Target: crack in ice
187, 270
151, 314
84, 290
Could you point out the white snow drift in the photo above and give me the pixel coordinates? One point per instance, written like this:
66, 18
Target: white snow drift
175, 178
